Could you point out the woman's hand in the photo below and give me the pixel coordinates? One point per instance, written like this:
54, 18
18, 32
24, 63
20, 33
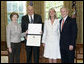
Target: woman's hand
10, 50
43, 44
26, 35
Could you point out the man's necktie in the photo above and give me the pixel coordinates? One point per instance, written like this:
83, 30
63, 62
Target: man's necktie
62, 24
32, 20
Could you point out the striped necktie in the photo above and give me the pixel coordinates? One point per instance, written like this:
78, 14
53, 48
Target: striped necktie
62, 24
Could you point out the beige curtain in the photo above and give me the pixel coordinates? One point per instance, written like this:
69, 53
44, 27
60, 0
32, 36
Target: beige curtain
38, 7
3, 20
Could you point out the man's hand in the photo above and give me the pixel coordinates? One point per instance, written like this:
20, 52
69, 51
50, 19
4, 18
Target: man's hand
70, 47
26, 32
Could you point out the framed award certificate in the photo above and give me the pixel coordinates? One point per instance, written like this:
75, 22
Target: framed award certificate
34, 28
34, 35
33, 40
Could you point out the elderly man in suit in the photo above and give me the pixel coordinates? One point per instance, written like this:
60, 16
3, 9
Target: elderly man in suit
31, 17
68, 33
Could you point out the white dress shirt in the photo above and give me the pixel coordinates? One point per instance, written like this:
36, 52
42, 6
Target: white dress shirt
30, 17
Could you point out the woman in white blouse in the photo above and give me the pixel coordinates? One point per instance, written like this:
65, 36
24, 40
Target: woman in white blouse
51, 37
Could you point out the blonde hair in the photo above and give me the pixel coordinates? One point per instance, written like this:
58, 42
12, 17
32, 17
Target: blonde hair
55, 16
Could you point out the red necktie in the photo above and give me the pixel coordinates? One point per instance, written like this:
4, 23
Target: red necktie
62, 24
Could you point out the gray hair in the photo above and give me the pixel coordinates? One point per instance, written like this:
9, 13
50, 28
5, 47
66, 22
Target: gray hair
64, 8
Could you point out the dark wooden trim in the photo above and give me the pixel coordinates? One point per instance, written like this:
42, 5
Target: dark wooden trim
3, 46
79, 50
4, 53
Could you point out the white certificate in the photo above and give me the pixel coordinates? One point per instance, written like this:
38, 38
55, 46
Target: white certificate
33, 40
34, 28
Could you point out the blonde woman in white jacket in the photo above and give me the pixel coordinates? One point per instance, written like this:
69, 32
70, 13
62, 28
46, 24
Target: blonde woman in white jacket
51, 37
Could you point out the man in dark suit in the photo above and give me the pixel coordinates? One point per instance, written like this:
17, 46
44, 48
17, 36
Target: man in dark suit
68, 33
31, 17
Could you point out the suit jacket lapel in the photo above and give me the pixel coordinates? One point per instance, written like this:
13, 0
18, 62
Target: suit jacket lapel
66, 19
60, 24
34, 18
27, 18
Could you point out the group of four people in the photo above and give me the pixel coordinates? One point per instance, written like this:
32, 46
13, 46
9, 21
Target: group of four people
58, 36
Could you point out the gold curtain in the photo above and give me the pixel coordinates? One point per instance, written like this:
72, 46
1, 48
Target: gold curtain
79, 18
38, 8
68, 4
3, 20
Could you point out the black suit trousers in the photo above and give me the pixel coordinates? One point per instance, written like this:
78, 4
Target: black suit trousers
67, 56
35, 50
14, 57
